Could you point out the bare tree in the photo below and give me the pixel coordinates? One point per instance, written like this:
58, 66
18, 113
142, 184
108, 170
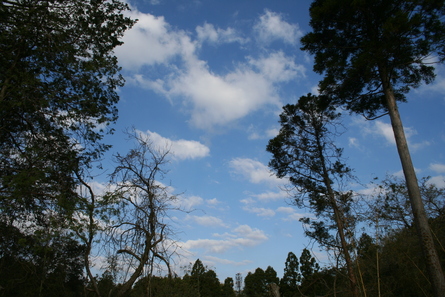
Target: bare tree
140, 232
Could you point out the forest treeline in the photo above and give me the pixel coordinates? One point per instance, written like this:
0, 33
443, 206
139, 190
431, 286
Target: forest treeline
64, 233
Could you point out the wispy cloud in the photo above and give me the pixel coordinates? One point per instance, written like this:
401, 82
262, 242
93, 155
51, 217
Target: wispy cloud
260, 211
271, 26
437, 167
242, 236
212, 260
382, 129
271, 196
208, 33
255, 171
207, 221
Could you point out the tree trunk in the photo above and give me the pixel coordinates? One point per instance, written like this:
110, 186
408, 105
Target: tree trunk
420, 219
339, 220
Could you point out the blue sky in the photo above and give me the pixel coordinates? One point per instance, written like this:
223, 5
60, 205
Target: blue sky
208, 78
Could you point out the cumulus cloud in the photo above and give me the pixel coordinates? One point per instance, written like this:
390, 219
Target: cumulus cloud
271, 27
166, 60
151, 41
180, 149
255, 171
218, 100
241, 236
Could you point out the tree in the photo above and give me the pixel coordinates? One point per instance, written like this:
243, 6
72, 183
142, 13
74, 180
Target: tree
372, 53
309, 269
58, 80
227, 289
49, 264
304, 152
238, 283
391, 261
139, 232
257, 283
196, 275
291, 277
390, 204
57, 93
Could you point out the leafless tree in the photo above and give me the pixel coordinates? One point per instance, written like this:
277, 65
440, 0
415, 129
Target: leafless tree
141, 231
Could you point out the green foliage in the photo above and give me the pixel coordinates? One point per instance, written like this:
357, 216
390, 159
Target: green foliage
392, 261
39, 264
390, 207
58, 80
371, 54
291, 277
227, 289
57, 93
304, 151
359, 44
257, 284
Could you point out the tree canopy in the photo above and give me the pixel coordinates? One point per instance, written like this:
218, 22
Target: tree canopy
58, 80
371, 54
358, 45
304, 151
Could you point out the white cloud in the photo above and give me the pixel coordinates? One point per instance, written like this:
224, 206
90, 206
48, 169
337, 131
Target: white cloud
242, 236
212, 99
207, 221
292, 214
254, 134
180, 149
188, 203
270, 133
226, 261
296, 216
151, 41
439, 181
439, 168
286, 209
255, 235
353, 142
218, 100
213, 202
255, 171
383, 129
271, 27
271, 196
213, 35
260, 211
278, 67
